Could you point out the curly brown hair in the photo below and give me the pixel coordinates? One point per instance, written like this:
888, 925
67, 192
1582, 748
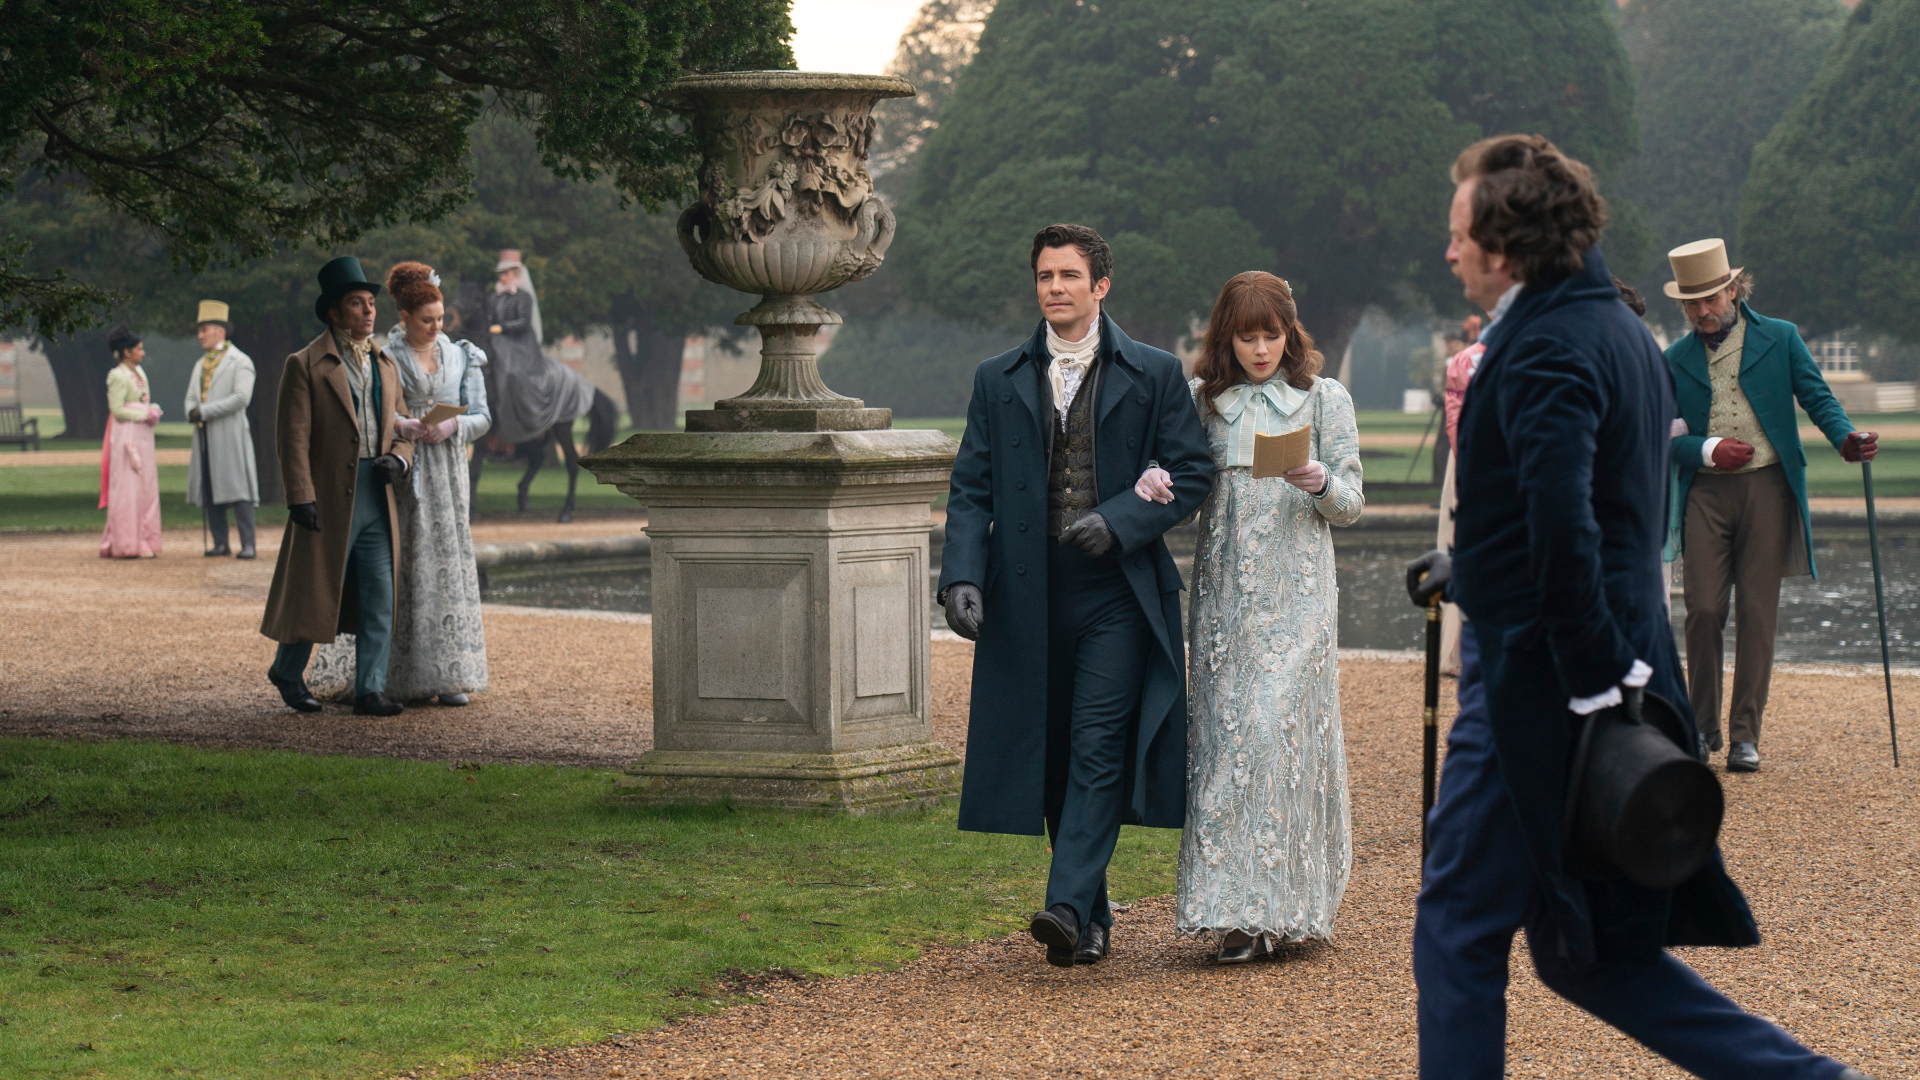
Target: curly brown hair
1080, 237
1255, 300
411, 286
1533, 204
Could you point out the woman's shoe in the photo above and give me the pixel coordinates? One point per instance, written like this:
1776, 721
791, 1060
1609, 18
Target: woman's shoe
1240, 947
453, 699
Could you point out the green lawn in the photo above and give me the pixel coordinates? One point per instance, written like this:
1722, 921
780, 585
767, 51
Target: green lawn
171, 910
66, 497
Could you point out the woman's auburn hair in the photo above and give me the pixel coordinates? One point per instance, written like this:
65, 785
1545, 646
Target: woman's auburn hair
411, 286
1255, 300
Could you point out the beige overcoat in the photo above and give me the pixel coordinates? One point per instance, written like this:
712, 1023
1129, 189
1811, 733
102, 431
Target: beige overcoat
319, 448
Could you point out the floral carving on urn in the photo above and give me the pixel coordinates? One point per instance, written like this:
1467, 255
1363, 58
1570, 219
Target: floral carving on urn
786, 206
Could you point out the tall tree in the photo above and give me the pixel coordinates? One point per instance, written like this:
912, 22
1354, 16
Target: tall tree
232, 127
1211, 137
1830, 215
1549, 67
1202, 139
1712, 78
220, 132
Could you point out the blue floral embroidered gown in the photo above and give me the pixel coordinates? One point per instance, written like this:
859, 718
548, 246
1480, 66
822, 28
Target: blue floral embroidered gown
1268, 844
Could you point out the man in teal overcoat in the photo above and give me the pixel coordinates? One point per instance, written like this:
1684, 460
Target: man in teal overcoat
1740, 482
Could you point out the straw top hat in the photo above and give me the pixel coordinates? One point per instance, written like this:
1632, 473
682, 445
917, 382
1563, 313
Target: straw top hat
1700, 269
508, 259
212, 311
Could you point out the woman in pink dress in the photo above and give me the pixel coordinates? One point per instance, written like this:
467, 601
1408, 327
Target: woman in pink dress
129, 476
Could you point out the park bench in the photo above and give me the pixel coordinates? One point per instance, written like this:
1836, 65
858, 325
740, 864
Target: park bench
17, 428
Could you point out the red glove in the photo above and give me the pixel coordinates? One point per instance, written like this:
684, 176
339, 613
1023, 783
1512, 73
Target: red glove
1731, 454
1860, 446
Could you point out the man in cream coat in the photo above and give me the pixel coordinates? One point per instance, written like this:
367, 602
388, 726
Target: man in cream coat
218, 393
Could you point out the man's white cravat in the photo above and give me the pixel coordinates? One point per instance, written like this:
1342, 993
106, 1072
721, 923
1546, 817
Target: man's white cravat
1070, 358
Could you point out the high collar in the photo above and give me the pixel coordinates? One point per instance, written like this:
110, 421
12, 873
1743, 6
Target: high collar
1592, 281
1114, 345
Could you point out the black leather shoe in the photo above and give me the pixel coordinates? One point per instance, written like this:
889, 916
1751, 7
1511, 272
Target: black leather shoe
295, 694
1093, 945
245, 553
220, 552
376, 704
1058, 928
1743, 757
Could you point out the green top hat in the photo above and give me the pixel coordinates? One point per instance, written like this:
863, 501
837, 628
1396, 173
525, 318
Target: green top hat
338, 278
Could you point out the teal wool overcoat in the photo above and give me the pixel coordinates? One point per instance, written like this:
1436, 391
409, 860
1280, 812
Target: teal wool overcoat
1775, 370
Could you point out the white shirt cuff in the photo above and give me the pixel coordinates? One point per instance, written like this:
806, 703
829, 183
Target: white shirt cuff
1706, 451
1636, 676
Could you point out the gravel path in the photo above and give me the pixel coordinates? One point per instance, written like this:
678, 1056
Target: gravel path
1826, 841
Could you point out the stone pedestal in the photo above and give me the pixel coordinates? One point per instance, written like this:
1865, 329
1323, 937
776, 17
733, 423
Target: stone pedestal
791, 616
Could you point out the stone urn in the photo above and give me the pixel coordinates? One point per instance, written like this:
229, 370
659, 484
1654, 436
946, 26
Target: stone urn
787, 210
792, 604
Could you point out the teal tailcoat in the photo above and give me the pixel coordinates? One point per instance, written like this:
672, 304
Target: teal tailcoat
1775, 370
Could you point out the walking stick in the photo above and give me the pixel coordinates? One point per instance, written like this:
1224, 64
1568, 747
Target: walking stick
1430, 723
1880, 602
206, 491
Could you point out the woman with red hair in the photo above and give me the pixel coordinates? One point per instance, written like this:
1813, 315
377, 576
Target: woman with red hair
1267, 846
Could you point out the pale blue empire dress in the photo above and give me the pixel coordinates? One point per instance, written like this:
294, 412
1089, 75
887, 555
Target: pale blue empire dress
1268, 843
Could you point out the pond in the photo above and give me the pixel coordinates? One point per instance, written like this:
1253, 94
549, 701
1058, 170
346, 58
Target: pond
1828, 621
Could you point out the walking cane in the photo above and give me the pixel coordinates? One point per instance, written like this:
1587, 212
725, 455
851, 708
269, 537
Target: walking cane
1880, 601
1430, 723
206, 491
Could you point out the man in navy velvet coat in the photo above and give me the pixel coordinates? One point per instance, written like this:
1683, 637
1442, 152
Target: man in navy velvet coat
1562, 469
1057, 569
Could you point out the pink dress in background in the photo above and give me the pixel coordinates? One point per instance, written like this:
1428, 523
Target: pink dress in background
132, 487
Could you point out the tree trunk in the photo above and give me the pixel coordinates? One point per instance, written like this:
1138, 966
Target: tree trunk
650, 372
1332, 332
80, 365
269, 342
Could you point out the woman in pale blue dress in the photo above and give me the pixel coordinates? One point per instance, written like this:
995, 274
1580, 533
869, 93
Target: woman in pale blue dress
439, 644
1268, 844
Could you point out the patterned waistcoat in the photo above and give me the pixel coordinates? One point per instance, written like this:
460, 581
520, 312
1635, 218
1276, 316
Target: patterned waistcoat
1071, 491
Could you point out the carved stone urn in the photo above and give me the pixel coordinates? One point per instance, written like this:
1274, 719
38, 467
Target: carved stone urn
786, 210
791, 594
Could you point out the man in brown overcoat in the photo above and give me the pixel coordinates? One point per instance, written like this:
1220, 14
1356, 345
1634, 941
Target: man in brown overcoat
339, 456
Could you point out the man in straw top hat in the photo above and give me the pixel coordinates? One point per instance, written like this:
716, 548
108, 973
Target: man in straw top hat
222, 470
339, 457
1740, 495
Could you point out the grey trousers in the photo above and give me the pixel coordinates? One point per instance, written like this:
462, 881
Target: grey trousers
242, 516
1739, 536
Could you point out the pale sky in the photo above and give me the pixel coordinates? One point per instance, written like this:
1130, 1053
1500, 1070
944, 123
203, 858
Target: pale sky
851, 36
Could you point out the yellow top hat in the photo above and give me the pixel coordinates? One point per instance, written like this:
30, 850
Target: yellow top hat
1700, 269
212, 311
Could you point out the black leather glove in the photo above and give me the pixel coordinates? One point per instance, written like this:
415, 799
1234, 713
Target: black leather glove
964, 610
389, 467
1428, 576
193, 415
1091, 535
305, 515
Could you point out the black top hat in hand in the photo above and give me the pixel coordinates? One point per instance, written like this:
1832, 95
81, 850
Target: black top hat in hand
1640, 806
338, 278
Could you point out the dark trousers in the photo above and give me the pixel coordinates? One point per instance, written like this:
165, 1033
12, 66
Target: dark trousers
370, 577
217, 523
1097, 648
1740, 531
1479, 888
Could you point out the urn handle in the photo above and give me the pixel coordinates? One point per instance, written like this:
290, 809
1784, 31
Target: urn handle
690, 219
877, 225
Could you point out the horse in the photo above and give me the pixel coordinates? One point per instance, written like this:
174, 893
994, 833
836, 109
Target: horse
603, 419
